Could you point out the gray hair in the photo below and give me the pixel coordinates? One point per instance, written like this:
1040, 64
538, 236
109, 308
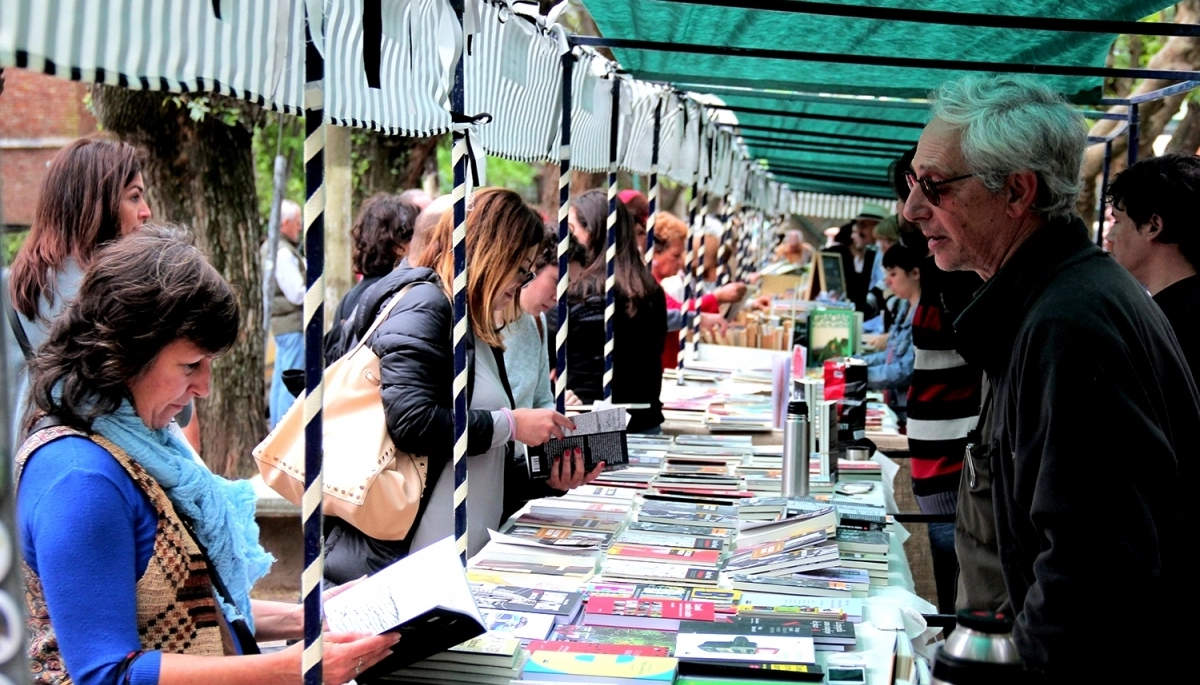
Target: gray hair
1013, 123
289, 211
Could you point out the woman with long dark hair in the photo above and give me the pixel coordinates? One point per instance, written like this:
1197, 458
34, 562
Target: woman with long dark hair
138, 561
639, 321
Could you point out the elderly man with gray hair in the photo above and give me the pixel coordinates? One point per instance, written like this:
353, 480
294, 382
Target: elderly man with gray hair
1093, 414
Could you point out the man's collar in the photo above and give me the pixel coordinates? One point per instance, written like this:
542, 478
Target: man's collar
987, 327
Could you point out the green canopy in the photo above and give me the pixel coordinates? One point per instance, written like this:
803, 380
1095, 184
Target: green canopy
828, 143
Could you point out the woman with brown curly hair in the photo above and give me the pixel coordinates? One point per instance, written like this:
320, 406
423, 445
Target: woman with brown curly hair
139, 561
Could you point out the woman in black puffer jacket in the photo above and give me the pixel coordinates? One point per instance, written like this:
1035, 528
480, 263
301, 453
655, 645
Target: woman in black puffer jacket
639, 319
416, 357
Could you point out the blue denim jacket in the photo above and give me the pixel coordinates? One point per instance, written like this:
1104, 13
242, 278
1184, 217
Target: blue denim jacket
892, 369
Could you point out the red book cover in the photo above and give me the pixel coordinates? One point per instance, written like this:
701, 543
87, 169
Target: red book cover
708, 557
595, 648
652, 608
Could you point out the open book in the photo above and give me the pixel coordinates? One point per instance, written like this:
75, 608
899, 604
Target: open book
600, 434
424, 597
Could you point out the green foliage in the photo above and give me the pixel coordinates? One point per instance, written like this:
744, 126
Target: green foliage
12, 242
265, 142
501, 173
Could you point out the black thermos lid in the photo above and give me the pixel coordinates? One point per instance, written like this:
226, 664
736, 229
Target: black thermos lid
797, 407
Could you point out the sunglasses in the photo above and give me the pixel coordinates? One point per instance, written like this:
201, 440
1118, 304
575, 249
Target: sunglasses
930, 186
524, 276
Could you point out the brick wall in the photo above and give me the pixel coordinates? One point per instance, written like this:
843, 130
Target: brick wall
38, 115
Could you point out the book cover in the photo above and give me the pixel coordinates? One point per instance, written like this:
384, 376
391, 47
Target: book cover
766, 603
645, 570
751, 625
852, 540
571, 522
600, 437
790, 649
518, 624
716, 532
564, 605
637, 537
669, 555
791, 585
561, 537
598, 668
643, 607
597, 648
701, 672
832, 333
505, 566
632, 637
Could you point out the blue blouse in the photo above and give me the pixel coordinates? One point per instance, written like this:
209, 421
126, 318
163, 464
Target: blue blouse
87, 530
892, 369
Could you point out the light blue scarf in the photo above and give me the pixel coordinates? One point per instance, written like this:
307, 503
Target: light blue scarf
221, 511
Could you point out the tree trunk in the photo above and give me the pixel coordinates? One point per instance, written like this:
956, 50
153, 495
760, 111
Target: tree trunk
547, 180
1178, 53
200, 174
1187, 137
393, 164
339, 216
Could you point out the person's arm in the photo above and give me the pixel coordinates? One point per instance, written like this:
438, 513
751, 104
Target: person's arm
288, 276
1068, 467
898, 371
345, 656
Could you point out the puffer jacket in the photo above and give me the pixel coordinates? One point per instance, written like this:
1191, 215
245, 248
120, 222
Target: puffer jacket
417, 371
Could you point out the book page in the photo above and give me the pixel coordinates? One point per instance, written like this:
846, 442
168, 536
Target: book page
426, 579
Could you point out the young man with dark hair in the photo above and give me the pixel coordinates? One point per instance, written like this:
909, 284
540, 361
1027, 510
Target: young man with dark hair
1154, 236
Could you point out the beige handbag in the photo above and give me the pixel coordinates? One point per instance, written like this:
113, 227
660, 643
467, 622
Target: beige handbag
368, 482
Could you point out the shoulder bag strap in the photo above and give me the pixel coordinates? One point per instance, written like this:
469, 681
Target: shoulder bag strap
14, 322
383, 315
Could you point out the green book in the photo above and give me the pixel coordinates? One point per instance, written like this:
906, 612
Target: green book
832, 333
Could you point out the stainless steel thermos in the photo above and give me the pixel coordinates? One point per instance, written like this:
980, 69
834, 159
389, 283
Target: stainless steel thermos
980, 651
796, 450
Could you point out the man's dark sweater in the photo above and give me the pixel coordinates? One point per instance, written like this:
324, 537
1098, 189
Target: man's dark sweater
1180, 301
1093, 448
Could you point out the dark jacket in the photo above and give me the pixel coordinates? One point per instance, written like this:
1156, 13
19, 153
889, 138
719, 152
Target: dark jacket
637, 352
341, 328
1180, 301
1092, 449
416, 358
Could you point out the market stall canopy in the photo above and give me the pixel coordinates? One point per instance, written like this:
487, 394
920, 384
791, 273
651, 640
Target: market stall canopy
756, 55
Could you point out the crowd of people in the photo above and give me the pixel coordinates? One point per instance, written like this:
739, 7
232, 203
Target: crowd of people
1048, 387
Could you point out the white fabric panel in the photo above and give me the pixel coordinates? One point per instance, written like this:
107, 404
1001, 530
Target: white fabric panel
644, 98
513, 72
591, 105
254, 52
828, 206
416, 67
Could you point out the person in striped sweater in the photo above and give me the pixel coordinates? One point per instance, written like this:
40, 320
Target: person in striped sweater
943, 397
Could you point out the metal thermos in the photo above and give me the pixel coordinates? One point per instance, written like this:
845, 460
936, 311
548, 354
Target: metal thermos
980, 651
795, 450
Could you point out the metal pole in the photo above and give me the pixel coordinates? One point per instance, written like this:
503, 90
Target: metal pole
610, 252
314, 361
461, 322
685, 333
564, 209
653, 193
1103, 193
1133, 134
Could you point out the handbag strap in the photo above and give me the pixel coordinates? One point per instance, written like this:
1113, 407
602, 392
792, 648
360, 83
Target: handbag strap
383, 315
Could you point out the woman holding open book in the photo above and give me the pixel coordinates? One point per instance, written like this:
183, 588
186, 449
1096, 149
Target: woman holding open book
138, 560
416, 354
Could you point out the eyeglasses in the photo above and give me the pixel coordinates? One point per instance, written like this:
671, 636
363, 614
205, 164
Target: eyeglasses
930, 186
524, 276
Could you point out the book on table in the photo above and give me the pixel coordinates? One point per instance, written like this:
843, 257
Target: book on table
723, 601
827, 635
424, 597
600, 437
596, 648
563, 606
631, 637
561, 537
489, 649
644, 613
701, 672
606, 669
793, 586
657, 573
871, 541
522, 625
774, 605
723, 646
707, 558
751, 533
638, 537
786, 561
723, 533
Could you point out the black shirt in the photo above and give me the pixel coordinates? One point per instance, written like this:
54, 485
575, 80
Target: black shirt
1180, 301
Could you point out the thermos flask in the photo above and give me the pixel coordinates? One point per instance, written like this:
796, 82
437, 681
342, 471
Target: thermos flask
980, 651
795, 450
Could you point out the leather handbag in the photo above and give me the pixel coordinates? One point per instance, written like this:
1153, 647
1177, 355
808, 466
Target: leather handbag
368, 483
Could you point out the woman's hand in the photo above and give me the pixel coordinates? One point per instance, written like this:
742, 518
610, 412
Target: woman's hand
347, 655
730, 292
571, 399
876, 342
566, 473
536, 426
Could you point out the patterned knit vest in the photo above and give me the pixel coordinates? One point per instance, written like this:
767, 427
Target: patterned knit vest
176, 610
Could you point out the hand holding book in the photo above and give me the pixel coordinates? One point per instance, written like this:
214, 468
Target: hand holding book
568, 472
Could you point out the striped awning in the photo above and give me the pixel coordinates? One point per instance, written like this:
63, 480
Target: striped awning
829, 206
252, 50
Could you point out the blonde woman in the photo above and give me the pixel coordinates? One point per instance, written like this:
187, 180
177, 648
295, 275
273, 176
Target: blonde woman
417, 368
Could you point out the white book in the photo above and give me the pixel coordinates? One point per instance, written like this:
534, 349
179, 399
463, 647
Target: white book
787, 649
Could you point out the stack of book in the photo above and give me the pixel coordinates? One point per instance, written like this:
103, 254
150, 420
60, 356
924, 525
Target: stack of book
490, 659
517, 562
743, 414
747, 647
614, 669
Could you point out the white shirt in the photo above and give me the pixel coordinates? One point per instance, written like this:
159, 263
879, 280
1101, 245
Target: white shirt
288, 276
